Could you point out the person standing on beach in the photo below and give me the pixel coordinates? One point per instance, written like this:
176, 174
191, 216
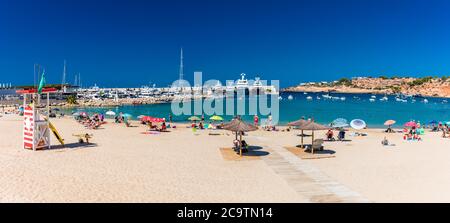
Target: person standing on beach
255, 120
170, 118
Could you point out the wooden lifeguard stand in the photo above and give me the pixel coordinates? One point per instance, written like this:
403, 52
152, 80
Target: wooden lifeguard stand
36, 125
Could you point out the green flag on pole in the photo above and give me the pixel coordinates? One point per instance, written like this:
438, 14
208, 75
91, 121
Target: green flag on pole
41, 83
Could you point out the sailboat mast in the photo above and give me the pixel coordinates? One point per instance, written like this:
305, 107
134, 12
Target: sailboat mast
64, 77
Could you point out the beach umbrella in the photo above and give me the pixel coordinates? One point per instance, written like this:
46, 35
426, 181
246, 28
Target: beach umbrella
410, 124
144, 118
358, 124
126, 115
298, 124
216, 118
433, 122
312, 126
339, 123
83, 114
194, 118
239, 126
111, 113
76, 114
153, 119
389, 122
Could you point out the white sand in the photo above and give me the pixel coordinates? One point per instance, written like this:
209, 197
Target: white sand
126, 166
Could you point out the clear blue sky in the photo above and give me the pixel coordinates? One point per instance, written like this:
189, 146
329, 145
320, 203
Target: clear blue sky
130, 43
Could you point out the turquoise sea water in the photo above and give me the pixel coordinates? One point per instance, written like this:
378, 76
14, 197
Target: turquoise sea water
323, 111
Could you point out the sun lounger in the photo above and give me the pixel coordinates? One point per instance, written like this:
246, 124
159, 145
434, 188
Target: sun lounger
317, 145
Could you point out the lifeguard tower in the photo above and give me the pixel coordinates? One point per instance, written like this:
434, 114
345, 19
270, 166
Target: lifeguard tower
36, 125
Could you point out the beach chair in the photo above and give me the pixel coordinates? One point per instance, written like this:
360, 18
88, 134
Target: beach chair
317, 145
83, 137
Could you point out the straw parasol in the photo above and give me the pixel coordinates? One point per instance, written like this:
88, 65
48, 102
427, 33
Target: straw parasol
299, 123
239, 126
312, 126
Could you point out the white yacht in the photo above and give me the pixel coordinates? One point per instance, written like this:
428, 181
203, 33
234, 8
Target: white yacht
257, 84
309, 98
242, 83
290, 97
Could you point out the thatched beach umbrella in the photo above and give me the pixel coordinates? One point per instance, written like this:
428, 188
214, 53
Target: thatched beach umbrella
239, 126
299, 123
312, 126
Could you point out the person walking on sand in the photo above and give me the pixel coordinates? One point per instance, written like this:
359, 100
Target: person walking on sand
255, 120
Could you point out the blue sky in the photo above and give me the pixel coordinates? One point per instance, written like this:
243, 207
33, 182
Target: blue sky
131, 43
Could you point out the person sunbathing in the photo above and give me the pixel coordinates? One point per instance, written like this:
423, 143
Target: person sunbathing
163, 127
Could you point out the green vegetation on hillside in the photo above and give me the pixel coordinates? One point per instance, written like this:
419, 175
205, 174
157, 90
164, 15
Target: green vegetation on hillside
420, 81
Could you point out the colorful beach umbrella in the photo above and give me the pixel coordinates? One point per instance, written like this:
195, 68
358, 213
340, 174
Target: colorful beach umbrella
389, 122
126, 115
358, 124
111, 113
144, 118
433, 122
216, 118
339, 123
153, 119
194, 118
410, 124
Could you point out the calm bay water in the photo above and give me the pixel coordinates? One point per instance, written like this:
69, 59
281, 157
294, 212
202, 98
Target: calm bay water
322, 110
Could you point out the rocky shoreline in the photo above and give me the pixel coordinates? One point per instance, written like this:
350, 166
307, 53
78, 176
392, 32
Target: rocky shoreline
432, 87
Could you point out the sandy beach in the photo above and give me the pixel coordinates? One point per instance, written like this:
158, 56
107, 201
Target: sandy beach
124, 165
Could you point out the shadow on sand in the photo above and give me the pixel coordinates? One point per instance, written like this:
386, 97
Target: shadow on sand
73, 146
307, 150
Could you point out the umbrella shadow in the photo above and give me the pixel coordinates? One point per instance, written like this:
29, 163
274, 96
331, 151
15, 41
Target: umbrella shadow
255, 147
308, 150
254, 151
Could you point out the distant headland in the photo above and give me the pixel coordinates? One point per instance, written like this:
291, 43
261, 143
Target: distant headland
425, 86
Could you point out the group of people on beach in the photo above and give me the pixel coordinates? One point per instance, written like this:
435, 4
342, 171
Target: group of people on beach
92, 122
340, 136
203, 125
